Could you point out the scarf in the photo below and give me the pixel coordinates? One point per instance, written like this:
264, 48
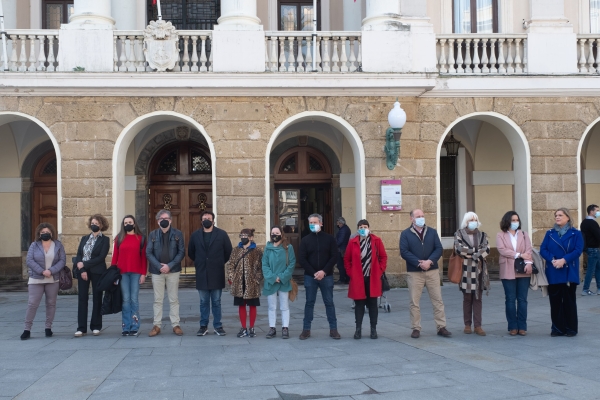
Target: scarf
563, 230
475, 277
365, 255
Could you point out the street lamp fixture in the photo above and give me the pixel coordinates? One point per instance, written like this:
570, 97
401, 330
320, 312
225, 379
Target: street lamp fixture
396, 119
452, 146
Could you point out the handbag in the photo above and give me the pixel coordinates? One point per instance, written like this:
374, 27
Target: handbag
65, 280
385, 284
455, 268
519, 265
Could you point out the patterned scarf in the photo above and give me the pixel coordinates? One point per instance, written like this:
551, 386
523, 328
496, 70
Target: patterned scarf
89, 246
365, 254
563, 230
475, 276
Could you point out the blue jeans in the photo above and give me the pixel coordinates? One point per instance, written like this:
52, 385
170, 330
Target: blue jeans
593, 268
326, 285
515, 290
130, 289
208, 298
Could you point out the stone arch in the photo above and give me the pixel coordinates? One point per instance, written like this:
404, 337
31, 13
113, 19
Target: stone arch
580, 176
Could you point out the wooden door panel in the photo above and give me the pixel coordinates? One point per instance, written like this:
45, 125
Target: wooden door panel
44, 207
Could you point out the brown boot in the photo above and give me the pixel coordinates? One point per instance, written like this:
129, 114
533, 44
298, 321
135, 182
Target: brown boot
468, 330
512, 332
155, 331
522, 332
333, 333
177, 330
479, 331
305, 334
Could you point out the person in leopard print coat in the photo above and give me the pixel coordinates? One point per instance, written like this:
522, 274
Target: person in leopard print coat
244, 272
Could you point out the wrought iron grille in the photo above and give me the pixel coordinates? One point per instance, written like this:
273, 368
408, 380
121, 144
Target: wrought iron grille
187, 14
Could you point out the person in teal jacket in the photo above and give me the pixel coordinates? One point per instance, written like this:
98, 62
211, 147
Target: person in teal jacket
278, 264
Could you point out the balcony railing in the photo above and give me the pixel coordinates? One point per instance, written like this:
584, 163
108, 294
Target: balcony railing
587, 53
482, 54
31, 50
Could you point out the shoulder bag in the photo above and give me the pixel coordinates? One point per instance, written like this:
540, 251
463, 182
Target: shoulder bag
65, 280
455, 268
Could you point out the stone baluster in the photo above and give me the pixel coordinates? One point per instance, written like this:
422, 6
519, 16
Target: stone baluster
51, 67
582, 58
308, 54
476, 61
41, 60
274, 58
596, 57
525, 61
509, 58
23, 54
282, 58
335, 59
451, 60
32, 60
115, 55
123, 56
291, 57
186, 54
14, 59
194, 67
518, 64
359, 57
177, 67
442, 60
318, 52
484, 57
131, 67
501, 59
459, 57
326, 58
141, 58
590, 61
300, 58
210, 60
493, 61
352, 60
203, 54
468, 57
343, 56
267, 59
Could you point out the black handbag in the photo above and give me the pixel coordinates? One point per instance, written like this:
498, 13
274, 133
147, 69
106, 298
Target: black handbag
385, 284
519, 265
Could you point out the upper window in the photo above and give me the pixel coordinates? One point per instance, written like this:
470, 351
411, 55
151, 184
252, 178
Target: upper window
594, 16
475, 16
187, 14
297, 15
56, 12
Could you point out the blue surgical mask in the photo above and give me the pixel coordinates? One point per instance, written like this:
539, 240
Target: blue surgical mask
473, 225
514, 226
420, 222
597, 214
315, 228
363, 232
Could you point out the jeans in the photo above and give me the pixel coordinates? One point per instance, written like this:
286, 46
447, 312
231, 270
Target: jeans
515, 290
283, 306
326, 285
208, 298
82, 309
340, 266
171, 281
130, 289
593, 268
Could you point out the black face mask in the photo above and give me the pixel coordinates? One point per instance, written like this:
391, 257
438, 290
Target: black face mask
207, 223
245, 241
128, 228
95, 228
164, 224
275, 238
45, 237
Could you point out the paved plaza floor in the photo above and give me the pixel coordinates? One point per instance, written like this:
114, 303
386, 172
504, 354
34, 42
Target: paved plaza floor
394, 366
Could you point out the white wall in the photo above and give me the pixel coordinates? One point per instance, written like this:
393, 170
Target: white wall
10, 195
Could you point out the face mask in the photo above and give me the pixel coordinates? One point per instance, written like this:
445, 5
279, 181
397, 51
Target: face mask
245, 241
420, 222
315, 228
45, 237
473, 225
128, 228
514, 226
95, 228
207, 223
363, 232
275, 238
164, 224
597, 214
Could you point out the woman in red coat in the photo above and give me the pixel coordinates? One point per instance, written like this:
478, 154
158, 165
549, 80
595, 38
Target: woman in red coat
365, 262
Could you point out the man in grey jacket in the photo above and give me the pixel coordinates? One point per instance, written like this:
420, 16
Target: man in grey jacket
421, 248
165, 251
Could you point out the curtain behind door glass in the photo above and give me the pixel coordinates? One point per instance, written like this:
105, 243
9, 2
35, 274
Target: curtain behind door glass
594, 16
289, 18
485, 16
462, 16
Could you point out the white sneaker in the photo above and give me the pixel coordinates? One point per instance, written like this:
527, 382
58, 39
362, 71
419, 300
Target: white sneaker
95, 332
79, 334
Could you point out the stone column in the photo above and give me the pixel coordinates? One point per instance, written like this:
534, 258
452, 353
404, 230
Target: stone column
352, 15
238, 40
382, 15
125, 14
9, 8
92, 12
551, 42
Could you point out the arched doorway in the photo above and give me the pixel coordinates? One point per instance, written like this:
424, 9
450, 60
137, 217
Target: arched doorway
180, 180
44, 199
588, 168
303, 186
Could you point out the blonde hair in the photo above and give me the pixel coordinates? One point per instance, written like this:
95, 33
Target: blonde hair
468, 217
566, 212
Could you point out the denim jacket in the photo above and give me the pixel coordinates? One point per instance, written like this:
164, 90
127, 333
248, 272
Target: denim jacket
154, 250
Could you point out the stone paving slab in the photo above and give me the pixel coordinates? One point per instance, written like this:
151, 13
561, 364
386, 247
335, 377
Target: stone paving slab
498, 366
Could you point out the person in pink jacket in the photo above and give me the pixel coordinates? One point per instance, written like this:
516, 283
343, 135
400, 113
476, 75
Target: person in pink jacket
513, 243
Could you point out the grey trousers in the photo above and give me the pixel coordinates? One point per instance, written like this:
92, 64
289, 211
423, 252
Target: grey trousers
35, 298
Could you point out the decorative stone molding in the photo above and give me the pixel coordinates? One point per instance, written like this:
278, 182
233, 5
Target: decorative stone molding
183, 133
160, 45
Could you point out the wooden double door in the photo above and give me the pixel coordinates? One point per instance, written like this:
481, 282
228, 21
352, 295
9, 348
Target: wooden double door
44, 199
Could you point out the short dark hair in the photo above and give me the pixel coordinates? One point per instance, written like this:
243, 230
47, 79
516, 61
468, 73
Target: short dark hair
248, 231
506, 221
44, 225
591, 208
101, 219
363, 222
207, 212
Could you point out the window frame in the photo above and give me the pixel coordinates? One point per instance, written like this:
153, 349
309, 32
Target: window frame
473, 10
298, 4
184, 15
64, 3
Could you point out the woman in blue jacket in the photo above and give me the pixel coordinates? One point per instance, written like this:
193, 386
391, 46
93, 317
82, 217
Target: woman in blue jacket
561, 248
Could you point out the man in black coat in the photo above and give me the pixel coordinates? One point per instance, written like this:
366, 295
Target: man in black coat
342, 238
210, 249
317, 255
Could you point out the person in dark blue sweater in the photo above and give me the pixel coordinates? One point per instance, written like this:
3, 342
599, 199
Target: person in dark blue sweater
591, 243
342, 238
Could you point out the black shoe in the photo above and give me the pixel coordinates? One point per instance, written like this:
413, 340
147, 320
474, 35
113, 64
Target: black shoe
251, 332
220, 331
243, 332
571, 334
272, 333
48, 332
125, 333
285, 333
202, 331
133, 333
556, 334
373, 333
25, 335
358, 333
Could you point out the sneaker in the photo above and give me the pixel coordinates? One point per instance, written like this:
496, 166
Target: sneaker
49, 332
444, 332
242, 333
25, 335
79, 334
272, 333
251, 332
96, 332
305, 334
285, 333
155, 331
588, 292
202, 331
133, 333
125, 333
220, 331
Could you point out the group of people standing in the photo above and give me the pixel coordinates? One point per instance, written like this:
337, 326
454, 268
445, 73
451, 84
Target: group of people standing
361, 258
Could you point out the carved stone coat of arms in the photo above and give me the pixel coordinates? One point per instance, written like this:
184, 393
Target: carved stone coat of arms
161, 45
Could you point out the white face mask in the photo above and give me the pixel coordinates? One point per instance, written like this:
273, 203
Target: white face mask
420, 222
514, 226
597, 214
473, 225
363, 232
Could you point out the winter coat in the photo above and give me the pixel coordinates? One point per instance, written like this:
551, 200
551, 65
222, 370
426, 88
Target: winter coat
108, 279
507, 253
36, 260
154, 250
353, 266
276, 264
112, 302
244, 271
475, 277
412, 249
210, 262
97, 262
318, 252
569, 247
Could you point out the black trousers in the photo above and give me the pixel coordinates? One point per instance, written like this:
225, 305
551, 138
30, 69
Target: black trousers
370, 302
563, 308
82, 310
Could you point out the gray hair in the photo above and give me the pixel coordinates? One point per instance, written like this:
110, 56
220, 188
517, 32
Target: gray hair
316, 216
468, 217
342, 220
161, 212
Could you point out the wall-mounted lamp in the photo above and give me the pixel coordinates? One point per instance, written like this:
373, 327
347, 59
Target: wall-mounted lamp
452, 146
396, 119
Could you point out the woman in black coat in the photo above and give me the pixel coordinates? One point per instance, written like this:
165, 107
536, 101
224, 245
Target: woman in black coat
91, 263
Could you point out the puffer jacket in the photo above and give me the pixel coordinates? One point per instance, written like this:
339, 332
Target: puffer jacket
36, 260
275, 264
244, 271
